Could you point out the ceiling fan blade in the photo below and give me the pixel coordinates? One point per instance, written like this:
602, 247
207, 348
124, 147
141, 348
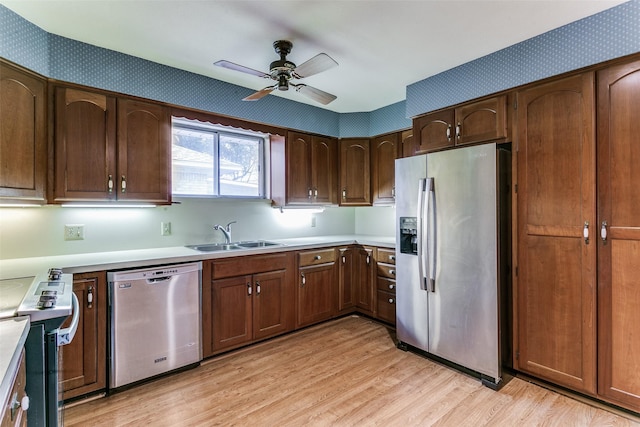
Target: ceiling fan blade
319, 63
315, 94
241, 68
260, 94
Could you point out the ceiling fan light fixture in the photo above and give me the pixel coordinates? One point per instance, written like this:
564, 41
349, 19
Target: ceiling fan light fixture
283, 82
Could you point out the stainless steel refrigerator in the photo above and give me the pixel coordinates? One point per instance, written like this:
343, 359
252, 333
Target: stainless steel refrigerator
452, 251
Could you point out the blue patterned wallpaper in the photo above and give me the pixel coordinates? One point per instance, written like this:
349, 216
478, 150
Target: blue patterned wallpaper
610, 34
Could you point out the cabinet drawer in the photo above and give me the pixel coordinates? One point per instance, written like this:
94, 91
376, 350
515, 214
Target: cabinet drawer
240, 266
387, 306
315, 257
387, 256
385, 270
387, 285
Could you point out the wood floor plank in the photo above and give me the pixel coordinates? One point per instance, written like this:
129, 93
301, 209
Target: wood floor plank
342, 373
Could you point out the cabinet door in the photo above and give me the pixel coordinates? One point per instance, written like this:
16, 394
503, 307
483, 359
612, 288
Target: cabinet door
144, 152
407, 146
298, 159
619, 252
269, 304
433, 131
23, 135
384, 151
346, 288
355, 185
482, 121
231, 306
324, 170
556, 202
362, 277
315, 293
84, 360
85, 146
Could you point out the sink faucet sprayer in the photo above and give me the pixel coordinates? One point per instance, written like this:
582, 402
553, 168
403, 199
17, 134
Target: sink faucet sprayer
225, 230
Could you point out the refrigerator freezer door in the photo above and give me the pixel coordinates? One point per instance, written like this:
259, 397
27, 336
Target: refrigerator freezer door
463, 309
411, 300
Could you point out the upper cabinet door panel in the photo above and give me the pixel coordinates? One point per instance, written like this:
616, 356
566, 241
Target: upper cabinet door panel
355, 159
482, 121
298, 158
384, 152
22, 135
433, 131
144, 150
324, 170
84, 146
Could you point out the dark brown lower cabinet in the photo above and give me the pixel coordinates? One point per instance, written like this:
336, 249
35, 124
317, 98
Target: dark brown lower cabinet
84, 360
245, 299
317, 286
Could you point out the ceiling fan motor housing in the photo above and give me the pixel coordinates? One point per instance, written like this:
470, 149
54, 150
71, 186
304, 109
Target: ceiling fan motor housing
281, 69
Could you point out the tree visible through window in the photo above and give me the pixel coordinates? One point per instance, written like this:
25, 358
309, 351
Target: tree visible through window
210, 160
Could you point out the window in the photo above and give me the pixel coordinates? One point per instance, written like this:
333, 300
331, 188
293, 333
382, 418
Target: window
215, 161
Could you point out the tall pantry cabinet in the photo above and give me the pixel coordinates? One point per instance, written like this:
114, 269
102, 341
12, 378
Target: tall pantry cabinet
556, 269
578, 252
619, 234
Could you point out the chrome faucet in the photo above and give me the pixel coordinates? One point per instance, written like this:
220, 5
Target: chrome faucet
225, 230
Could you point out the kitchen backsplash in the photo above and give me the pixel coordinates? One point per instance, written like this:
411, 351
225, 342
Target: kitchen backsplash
29, 232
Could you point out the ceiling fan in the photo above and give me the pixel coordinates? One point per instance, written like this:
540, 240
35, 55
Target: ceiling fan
283, 72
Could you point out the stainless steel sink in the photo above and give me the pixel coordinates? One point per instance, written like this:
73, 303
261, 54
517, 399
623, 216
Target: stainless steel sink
216, 247
257, 244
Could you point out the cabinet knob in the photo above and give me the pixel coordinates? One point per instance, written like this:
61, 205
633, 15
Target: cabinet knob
585, 232
603, 231
392, 272
391, 286
344, 193
392, 257
458, 130
449, 133
123, 184
391, 301
110, 183
303, 280
257, 288
317, 257
310, 193
249, 289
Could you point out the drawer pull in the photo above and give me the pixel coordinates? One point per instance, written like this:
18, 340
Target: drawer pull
249, 289
392, 257
90, 297
392, 286
303, 281
391, 301
392, 272
317, 257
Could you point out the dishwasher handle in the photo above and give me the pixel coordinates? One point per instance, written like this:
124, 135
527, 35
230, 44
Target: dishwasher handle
154, 280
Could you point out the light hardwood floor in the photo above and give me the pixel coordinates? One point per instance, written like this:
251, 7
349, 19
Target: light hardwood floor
347, 372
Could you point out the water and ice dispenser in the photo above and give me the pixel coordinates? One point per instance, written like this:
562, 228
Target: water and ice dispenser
409, 235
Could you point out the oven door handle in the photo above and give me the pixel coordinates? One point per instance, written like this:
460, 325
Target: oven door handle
65, 336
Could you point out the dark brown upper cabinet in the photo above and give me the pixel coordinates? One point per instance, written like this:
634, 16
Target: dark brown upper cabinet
23, 136
355, 176
109, 149
384, 151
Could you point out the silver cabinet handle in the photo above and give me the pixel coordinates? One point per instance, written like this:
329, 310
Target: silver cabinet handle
110, 183
458, 130
310, 193
368, 259
449, 133
603, 231
585, 232
257, 288
315, 193
391, 286
344, 193
393, 191
392, 272
317, 257
392, 257
304, 280
391, 301
344, 259
249, 288
123, 184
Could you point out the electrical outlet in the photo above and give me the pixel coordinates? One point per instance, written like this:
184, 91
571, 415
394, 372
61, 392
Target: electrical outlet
74, 232
165, 229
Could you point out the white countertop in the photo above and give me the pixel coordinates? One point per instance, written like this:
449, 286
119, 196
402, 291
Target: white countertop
82, 263
13, 334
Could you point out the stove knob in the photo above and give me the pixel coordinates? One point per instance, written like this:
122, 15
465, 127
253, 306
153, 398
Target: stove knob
55, 273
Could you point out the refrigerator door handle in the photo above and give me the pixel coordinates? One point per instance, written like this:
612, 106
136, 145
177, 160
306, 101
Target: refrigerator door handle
430, 239
420, 215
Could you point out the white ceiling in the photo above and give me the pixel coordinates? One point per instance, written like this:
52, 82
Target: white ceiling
380, 46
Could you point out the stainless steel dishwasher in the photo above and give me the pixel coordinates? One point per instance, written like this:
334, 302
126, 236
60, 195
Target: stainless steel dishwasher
155, 321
